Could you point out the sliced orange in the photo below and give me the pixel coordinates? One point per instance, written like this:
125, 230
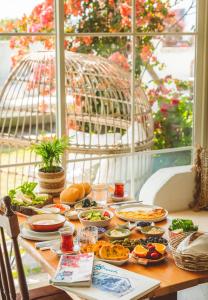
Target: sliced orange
159, 247
140, 251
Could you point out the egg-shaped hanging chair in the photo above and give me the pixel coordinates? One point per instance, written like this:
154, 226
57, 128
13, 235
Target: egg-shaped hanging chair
98, 104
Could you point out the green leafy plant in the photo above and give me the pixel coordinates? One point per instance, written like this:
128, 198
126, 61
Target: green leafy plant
51, 151
186, 225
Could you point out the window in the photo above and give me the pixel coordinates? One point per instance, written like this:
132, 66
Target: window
149, 45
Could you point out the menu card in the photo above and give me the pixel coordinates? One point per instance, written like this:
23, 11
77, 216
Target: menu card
74, 270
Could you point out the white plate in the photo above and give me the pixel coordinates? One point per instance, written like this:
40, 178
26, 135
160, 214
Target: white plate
29, 234
120, 199
132, 207
67, 207
113, 262
73, 203
56, 249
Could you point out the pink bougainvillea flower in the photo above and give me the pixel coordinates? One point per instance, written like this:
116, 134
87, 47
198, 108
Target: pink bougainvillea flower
125, 10
119, 59
175, 101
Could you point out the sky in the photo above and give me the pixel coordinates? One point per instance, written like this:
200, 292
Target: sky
16, 8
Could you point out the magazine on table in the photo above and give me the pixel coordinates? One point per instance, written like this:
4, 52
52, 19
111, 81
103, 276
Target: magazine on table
74, 270
115, 283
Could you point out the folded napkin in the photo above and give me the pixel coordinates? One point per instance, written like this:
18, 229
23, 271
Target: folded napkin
195, 243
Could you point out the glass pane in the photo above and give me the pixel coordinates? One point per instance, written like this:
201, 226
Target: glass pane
167, 73
98, 16
27, 16
168, 15
98, 93
27, 102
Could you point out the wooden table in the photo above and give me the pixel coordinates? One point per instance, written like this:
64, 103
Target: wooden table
171, 277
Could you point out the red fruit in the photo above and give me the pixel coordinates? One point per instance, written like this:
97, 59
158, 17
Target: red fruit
155, 255
106, 214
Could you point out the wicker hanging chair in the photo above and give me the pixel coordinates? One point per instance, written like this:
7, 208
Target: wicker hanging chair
98, 106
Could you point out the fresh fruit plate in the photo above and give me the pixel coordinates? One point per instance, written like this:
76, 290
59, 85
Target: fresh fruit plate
141, 212
147, 261
149, 254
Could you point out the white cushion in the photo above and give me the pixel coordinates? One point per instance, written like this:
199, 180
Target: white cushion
171, 188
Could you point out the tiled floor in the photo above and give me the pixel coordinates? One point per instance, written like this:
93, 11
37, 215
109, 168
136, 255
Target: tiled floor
199, 292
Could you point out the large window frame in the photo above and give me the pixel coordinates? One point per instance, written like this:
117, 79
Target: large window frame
200, 124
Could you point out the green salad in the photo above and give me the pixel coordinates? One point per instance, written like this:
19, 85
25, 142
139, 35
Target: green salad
25, 195
183, 224
96, 215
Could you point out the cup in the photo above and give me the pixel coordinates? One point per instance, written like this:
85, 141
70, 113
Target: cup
88, 235
100, 193
67, 243
119, 189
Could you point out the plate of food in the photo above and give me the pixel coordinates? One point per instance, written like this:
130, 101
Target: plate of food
118, 233
58, 208
26, 201
152, 231
74, 193
95, 217
149, 254
105, 251
86, 203
141, 212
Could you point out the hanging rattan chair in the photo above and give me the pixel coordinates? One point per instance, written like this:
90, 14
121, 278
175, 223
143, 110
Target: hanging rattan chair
98, 106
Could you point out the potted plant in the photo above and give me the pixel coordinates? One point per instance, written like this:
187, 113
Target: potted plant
51, 175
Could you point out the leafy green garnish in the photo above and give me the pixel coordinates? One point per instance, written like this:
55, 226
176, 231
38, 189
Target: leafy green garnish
27, 196
186, 225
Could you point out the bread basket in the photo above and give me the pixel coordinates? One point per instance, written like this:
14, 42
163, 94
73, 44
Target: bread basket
190, 262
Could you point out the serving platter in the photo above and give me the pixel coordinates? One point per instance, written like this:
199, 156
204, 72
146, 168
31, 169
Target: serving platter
140, 207
29, 234
113, 262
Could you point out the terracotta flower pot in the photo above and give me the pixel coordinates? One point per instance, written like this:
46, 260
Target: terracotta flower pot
51, 183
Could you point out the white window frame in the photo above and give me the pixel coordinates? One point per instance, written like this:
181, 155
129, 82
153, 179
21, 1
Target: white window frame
200, 125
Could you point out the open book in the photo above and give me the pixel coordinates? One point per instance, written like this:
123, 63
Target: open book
74, 270
110, 282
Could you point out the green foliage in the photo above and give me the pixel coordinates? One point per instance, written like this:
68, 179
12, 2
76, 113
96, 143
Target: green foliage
51, 151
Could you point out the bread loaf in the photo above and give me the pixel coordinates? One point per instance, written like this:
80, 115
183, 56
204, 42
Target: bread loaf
69, 195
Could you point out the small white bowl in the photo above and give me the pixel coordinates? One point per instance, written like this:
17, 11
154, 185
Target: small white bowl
101, 223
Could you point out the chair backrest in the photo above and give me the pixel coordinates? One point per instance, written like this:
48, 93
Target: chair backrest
9, 224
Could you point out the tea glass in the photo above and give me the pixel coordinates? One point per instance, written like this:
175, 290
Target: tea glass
67, 243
